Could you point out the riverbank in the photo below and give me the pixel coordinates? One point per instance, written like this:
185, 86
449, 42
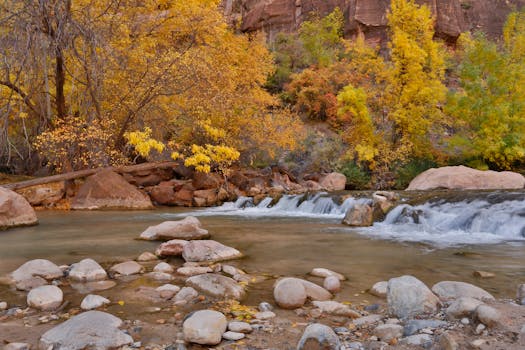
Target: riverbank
160, 320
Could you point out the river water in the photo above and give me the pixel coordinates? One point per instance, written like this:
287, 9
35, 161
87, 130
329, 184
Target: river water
440, 238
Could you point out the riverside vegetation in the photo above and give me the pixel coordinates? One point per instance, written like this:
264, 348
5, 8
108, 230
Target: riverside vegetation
96, 83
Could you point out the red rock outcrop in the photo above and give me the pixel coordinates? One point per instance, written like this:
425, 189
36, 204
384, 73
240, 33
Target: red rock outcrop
369, 16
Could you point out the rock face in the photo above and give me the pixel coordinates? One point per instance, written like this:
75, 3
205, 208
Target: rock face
217, 286
464, 178
359, 215
45, 298
108, 190
451, 290
15, 210
369, 16
209, 251
87, 270
204, 327
44, 195
319, 336
407, 297
187, 229
88, 330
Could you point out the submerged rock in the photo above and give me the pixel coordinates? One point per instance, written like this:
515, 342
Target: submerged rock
89, 287
319, 336
217, 286
204, 327
450, 290
45, 298
127, 268
87, 270
188, 228
89, 330
464, 178
108, 190
15, 210
407, 297
209, 251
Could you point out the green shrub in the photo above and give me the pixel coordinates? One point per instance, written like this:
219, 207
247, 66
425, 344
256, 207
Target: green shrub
406, 173
356, 178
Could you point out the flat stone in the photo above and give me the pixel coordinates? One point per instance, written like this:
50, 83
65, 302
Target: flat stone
185, 295
172, 247
488, 315
87, 270
147, 256
91, 329
17, 346
45, 298
388, 332
379, 289
127, 268
193, 271
424, 340
92, 301
367, 320
167, 291
42, 268
414, 326
239, 327
264, 315
319, 336
217, 286
204, 327
209, 251
186, 229
234, 336
89, 287
332, 284
160, 276
483, 274
450, 290
30, 283
407, 297
336, 309
462, 307
322, 272
232, 270
163, 267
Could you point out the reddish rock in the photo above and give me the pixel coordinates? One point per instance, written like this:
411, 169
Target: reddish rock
108, 190
15, 210
206, 181
333, 182
207, 197
171, 248
44, 195
163, 195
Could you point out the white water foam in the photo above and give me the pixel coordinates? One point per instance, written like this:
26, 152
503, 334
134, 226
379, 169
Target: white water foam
457, 223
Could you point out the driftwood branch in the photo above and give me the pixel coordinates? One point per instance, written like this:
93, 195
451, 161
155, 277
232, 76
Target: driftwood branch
88, 172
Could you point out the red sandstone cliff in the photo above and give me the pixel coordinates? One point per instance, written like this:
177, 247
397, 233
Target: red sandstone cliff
369, 16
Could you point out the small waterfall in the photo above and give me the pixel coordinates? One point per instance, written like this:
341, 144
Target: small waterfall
470, 221
308, 205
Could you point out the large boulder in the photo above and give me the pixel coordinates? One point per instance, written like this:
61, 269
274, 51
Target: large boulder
38, 270
333, 182
464, 178
209, 251
108, 190
408, 297
319, 336
187, 229
217, 286
204, 327
359, 215
44, 195
45, 298
451, 290
89, 330
87, 270
15, 210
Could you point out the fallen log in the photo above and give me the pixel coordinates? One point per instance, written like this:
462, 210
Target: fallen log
88, 172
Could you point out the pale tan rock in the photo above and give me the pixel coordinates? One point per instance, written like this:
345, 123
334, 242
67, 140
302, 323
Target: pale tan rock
15, 210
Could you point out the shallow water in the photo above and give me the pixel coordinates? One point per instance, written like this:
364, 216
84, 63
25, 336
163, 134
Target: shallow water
275, 246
